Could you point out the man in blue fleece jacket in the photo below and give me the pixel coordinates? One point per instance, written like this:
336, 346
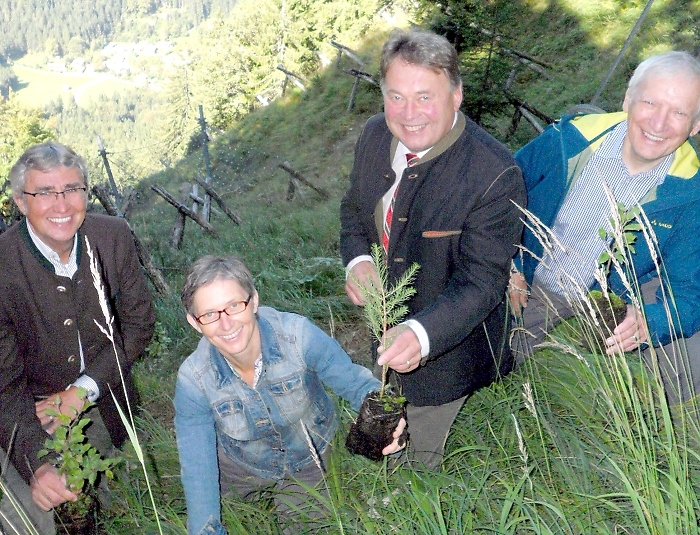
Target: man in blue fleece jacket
643, 157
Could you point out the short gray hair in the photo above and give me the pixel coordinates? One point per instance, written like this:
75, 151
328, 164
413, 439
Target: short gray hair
674, 63
422, 48
45, 157
210, 268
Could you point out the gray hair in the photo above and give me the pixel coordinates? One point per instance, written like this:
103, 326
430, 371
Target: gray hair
423, 48
674, 63
210, 268
45, 157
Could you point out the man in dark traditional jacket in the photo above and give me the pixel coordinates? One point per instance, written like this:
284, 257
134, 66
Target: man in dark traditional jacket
434, 188
53, 356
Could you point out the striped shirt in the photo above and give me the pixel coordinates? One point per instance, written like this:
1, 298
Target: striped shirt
568, 266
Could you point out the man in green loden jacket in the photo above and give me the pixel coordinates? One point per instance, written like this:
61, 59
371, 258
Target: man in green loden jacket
644, 157
53, 356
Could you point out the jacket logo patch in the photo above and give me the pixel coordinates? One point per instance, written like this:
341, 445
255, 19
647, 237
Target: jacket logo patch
660, 224
440, 233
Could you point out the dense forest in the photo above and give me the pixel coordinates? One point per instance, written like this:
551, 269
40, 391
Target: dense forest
227, 64
58, 27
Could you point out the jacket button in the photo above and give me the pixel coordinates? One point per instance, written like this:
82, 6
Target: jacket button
413, 175
72, 358
68, 322
403, 219
61, 289
399, 260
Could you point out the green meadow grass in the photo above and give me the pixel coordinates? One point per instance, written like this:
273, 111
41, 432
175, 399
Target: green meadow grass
38, 87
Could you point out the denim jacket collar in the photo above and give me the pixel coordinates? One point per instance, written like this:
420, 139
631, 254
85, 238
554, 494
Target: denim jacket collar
223, 373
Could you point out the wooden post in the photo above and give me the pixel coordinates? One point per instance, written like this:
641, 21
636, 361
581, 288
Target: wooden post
351, 103
295, 78
182, 208
297, 175
349, 52
178, 233
358, 75
605, 81
144, 258
110, 176
206, 206
210, 191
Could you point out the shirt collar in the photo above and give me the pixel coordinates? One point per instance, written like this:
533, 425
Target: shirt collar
611, 148
48, 253
401, 149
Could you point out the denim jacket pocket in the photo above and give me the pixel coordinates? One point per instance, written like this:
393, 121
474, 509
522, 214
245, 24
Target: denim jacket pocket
233, 419
290, 396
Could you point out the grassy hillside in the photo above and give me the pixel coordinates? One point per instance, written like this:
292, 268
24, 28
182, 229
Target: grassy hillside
571, 443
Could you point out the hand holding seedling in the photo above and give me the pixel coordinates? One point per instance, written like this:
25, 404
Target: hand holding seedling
69, 402
629, 334
50, 489
398, 444
362, 275
403, 353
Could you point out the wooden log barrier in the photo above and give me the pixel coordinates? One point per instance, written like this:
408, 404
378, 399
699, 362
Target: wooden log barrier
186, 211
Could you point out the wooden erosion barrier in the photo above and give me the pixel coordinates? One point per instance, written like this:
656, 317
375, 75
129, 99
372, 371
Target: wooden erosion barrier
197, 200
206, 202
185, 211
294, 178
151, 270
122, 201
289, 75
357, 73
217, 198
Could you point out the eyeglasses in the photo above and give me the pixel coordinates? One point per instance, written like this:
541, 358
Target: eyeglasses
231, 310
69, 194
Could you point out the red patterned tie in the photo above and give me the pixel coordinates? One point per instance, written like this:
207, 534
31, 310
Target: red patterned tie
411, 160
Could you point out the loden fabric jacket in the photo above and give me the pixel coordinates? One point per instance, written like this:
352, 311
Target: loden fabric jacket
554, 160
41, 314
455, 216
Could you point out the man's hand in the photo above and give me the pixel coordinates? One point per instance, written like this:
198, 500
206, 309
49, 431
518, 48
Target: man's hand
399, 443
362, 274
517, 291
69, 402
403, 353
631, 332
49, 489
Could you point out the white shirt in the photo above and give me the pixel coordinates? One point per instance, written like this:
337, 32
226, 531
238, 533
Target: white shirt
67, 270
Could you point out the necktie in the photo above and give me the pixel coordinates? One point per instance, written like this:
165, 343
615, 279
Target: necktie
411, 160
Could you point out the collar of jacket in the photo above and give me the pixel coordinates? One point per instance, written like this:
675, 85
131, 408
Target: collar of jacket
594, 127
439, 147
271, 353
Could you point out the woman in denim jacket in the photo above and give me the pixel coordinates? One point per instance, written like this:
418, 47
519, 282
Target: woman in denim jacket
251, 410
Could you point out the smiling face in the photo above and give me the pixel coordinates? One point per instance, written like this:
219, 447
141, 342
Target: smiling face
236, 337
662, 114
55, 220
419, 104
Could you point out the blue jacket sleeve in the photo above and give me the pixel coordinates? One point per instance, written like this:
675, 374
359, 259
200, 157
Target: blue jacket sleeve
196, 444
348, 380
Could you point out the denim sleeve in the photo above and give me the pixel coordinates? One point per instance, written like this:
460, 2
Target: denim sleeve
324, 355
196, 444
